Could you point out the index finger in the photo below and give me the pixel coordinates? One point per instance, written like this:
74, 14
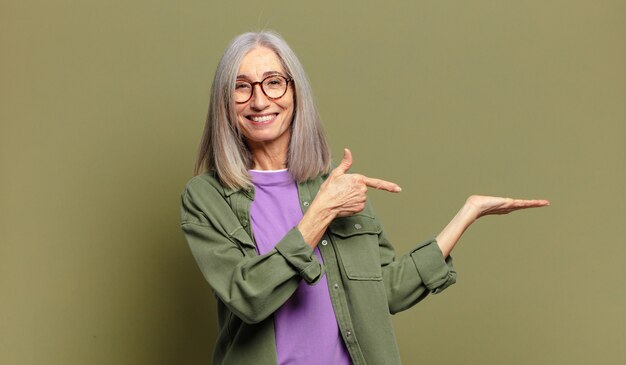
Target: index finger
381, 184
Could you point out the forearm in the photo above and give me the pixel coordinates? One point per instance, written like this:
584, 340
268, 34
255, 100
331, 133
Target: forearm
315, 222
409, 278
253, 286
451, 234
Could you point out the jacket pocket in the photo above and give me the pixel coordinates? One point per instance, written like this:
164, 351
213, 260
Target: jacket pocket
356, 241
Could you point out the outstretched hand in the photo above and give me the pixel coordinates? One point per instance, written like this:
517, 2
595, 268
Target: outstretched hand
490, 205
346, 193
477, 206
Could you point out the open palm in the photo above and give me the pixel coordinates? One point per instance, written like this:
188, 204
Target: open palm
489, 205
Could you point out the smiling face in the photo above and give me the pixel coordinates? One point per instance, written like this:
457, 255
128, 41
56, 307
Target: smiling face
264, 122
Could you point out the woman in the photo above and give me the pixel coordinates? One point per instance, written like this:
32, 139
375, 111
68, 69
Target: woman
300, 266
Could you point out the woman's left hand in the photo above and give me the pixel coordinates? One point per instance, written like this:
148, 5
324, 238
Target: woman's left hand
490, 205
477, 206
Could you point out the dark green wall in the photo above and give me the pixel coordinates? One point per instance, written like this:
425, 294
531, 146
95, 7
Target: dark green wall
102, 106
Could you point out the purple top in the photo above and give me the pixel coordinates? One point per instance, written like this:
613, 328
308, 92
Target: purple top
305, 326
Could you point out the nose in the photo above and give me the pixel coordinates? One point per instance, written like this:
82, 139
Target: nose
258, 101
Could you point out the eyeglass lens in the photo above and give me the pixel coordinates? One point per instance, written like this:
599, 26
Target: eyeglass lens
273, 87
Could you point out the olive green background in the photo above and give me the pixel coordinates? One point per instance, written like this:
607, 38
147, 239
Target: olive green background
102, 104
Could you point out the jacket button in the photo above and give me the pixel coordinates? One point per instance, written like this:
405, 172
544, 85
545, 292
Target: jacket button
358, 226
306, 204
336, 286
348, 333
244, 222
324, 242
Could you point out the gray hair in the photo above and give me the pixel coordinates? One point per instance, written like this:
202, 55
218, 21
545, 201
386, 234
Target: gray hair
223, 148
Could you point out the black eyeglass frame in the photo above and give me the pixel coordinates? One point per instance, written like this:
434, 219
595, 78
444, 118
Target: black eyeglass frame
260, 83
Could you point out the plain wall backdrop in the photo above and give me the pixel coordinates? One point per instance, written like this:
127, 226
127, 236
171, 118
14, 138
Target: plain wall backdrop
102, 105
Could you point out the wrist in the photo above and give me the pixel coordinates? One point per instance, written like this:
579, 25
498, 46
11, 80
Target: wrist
470, 211
314, 223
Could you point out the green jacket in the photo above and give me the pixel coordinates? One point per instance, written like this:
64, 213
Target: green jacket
366, 281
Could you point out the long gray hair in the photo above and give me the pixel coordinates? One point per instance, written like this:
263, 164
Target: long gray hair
223, 148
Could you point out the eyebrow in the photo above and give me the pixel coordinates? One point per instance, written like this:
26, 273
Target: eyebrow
265, 74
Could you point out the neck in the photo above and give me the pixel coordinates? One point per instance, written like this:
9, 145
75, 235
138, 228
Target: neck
268, 156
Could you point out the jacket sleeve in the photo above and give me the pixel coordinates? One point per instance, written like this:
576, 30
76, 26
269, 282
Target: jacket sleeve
411, 277
251, 286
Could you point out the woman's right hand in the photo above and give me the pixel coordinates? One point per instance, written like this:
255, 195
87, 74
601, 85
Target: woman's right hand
341, 195
345, 194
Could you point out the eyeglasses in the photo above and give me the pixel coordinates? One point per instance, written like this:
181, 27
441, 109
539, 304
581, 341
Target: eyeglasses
274, 87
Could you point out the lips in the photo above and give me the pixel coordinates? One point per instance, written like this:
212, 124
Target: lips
262, 119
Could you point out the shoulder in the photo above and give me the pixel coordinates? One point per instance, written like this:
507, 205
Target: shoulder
207, 180
202, 197
205, 202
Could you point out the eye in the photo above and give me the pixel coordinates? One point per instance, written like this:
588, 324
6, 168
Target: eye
274, 82
242, 85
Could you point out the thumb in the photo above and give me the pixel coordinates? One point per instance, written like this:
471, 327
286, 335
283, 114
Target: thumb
346, 162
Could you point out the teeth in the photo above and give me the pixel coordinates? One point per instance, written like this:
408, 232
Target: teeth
262, 119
